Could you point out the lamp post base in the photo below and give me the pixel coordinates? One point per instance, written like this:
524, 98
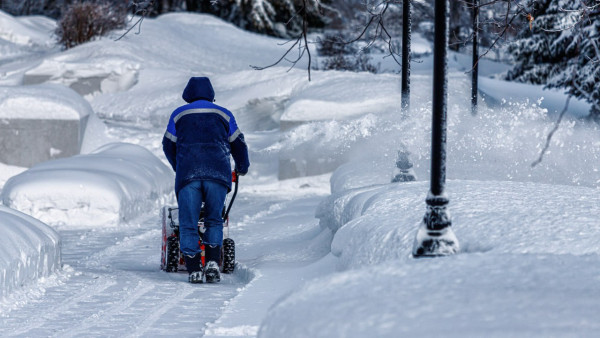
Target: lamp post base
435, 236
434, 243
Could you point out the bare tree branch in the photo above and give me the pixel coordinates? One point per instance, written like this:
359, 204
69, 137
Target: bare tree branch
301, 41
549, 136
141, 9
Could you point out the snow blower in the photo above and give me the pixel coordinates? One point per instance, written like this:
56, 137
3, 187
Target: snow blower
172, 258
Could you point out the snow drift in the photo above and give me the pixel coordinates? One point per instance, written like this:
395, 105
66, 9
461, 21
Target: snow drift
45, 101
111, 185
29, 249
30, 31
514, 238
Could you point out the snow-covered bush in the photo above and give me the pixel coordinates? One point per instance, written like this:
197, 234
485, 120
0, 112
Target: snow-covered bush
85, 21
111, 185
341, 55
29, 249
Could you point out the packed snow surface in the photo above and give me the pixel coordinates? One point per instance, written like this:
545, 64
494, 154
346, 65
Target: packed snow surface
29, 249
113, 184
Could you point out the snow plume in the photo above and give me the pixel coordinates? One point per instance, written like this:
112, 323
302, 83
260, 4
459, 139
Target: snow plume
106, 187
499, 143
29, 250
333, 139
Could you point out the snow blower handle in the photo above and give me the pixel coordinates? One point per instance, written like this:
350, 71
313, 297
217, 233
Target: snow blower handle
235, 179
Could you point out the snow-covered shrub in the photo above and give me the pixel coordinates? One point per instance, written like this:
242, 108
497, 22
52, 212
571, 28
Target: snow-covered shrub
342, 55
358, 63
111, 185
83, 22
29, 249
332, 45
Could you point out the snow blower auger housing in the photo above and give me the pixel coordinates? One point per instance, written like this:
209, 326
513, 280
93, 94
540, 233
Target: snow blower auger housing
172, 258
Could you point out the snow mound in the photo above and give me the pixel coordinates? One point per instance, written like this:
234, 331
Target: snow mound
27, 32
342, 95
45, 102
29, 249
111, 185
461, 296
520, 242
105, 75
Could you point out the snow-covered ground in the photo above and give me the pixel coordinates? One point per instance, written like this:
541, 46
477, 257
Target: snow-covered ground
530, 242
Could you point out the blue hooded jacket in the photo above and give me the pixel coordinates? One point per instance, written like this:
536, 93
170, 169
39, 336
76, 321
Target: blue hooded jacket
201, 136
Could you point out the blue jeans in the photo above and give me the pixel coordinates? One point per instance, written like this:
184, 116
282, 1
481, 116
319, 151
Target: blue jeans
190, 200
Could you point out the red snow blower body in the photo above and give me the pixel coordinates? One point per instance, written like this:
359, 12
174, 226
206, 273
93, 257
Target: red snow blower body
172, 257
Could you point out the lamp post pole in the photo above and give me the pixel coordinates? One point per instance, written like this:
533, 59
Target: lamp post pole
406, 27
475, 69
435, 236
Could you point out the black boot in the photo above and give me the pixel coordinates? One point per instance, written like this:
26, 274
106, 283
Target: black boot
213, 256
194, 268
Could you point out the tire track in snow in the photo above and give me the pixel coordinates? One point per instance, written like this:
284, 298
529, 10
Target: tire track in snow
105, 315
164, 307
84, 293
102, 257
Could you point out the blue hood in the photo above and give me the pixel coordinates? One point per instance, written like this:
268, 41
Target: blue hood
198, 88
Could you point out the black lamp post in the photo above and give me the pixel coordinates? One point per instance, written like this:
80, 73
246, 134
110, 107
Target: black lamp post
475, 69
406, 22
435, 236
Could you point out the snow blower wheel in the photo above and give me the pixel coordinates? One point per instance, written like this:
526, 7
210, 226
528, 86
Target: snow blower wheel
172, 254
228, 255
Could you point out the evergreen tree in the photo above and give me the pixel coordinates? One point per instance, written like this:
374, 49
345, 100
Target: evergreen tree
282, 18
561, 49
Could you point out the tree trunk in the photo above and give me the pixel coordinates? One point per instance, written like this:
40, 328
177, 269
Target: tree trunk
456, 9
205, 6
191, 5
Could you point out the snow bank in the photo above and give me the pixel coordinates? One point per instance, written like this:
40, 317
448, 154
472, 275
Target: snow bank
525, 266
44, 102
29, 249
474, 296
106, 187
162, 69
28, 31
7, 171
42, 122
105, 75
342, 95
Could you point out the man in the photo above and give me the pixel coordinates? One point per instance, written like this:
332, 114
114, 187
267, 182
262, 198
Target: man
199, 139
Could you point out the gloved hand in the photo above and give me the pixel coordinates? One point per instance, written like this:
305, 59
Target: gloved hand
240, 173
